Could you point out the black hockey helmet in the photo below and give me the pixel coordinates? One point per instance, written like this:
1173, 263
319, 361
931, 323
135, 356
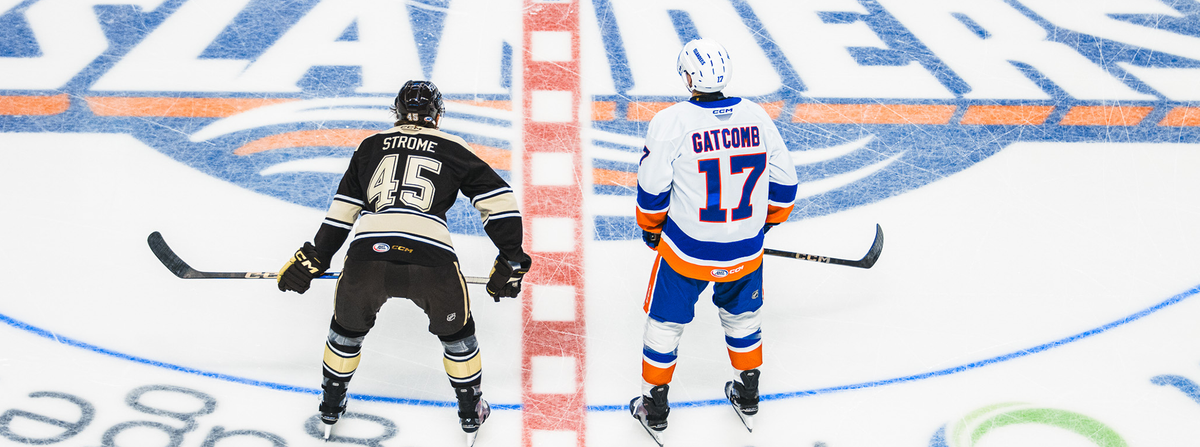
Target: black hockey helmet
419, 102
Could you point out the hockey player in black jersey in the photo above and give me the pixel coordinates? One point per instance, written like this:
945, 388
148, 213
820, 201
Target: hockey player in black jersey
394, 196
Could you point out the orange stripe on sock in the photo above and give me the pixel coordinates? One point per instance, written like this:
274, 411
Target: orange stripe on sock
742, 360
1105, 116
177, 107
872, 114
1182, 116
643, 111
655, 375
1007, 115
34, 105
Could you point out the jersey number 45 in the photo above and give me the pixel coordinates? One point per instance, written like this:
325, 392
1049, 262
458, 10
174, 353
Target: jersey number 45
419, 190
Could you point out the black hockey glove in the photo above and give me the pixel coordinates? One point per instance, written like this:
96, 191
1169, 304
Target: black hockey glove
768, 226
505, 279
300, 270
651, 239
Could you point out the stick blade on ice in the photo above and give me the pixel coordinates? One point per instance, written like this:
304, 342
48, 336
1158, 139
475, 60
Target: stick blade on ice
169, 259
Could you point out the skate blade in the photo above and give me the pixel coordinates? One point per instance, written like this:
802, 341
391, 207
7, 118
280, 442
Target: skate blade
471, 439
656, 435
747, 420
328, 432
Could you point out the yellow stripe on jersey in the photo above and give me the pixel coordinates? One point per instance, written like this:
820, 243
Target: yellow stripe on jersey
408, 223
343, 211
502, 203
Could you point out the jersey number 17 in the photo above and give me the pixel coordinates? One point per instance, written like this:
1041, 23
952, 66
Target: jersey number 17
715, 179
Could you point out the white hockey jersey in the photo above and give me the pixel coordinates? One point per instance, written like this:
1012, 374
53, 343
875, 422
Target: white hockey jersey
711, 175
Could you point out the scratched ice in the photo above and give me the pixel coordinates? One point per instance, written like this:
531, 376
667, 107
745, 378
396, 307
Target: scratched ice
1031, 162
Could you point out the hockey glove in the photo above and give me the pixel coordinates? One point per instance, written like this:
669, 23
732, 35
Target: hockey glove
768, 226
505, 279
651, 239
300, 270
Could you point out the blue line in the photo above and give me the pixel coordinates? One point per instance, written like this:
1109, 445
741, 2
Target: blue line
944, 372
228, 378
703, 403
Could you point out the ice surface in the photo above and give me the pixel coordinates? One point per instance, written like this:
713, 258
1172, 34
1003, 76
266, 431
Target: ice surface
1037, 286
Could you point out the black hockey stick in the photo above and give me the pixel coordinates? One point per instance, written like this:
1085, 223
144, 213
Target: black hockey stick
865, 263
182, 270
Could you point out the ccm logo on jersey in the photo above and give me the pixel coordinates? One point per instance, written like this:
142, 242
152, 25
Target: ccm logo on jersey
717, 139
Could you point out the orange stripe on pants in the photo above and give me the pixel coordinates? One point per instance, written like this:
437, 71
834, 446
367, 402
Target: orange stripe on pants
650, 288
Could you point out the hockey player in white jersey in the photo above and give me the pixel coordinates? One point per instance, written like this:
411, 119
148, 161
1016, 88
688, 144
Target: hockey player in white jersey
714, 177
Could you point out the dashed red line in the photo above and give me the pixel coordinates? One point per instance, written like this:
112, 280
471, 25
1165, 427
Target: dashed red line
553, 343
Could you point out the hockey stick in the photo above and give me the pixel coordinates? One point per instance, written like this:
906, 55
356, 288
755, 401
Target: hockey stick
182, 270
865, 263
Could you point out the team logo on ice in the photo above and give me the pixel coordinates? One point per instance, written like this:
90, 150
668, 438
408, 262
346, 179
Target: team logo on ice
874, 101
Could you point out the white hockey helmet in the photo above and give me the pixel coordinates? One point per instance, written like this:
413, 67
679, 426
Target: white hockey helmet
708, 64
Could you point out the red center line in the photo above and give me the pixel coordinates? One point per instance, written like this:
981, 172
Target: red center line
555, 407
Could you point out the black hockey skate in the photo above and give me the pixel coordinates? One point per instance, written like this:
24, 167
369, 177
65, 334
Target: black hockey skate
333, 404
744, 397
472, 411
651, 411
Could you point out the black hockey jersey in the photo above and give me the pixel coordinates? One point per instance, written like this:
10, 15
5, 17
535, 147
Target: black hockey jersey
398, 187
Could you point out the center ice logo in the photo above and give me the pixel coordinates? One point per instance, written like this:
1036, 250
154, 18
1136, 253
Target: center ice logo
975, 426
874, 97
